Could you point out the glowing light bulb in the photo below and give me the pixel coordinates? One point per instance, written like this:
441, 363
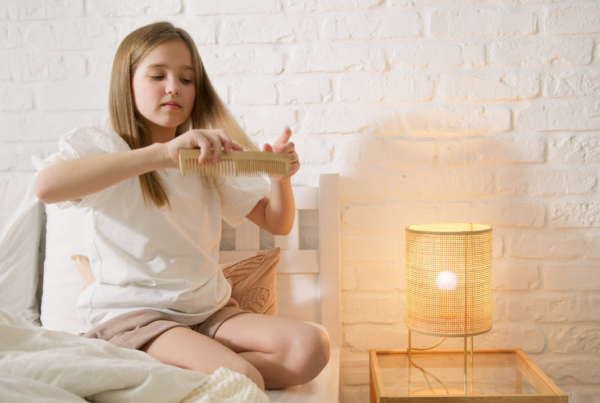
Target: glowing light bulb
447, 281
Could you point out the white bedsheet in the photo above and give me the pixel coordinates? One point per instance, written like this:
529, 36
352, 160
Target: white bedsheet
51, 366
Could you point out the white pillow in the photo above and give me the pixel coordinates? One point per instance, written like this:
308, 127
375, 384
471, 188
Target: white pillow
67, 232
19, 246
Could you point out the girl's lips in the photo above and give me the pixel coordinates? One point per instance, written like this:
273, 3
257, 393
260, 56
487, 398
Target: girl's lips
171, 105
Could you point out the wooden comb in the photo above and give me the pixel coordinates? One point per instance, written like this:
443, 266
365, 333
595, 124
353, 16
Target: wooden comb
236, 163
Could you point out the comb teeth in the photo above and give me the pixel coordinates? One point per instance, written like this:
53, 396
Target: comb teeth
236, 163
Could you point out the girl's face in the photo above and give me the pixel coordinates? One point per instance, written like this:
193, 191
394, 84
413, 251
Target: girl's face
163, 87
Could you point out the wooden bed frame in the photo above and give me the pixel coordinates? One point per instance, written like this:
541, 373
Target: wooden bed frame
308, 281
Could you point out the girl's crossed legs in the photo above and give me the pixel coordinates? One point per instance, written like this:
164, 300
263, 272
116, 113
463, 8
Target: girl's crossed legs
274, 352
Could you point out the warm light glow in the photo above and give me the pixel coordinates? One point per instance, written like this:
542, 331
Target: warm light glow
447, 281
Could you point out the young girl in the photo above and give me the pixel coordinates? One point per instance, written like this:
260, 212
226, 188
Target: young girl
154, 249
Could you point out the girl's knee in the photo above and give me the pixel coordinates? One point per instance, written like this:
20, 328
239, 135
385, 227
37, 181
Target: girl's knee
312, 353
320, 346
250, 371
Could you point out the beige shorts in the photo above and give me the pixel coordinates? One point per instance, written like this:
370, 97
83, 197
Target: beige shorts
135, 329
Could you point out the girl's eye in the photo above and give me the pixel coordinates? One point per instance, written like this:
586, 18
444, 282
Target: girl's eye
157, 77
186, 81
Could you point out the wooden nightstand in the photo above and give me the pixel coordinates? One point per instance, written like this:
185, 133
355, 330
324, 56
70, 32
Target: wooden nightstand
497, 376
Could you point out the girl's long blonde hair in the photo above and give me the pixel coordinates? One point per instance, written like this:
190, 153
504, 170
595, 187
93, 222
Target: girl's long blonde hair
208, 111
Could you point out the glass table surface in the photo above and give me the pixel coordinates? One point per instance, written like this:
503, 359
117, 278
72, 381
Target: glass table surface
441, 373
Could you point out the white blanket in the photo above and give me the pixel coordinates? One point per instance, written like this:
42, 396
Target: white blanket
50, 366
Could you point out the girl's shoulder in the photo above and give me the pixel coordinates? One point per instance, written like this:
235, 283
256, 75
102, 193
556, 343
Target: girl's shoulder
91, 138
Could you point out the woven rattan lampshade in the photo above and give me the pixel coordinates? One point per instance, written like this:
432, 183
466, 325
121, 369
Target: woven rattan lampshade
448, 279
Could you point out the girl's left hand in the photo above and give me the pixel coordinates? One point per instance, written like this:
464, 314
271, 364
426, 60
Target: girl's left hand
284, 145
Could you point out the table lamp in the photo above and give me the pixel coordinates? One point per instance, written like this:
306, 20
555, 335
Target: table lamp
448, 282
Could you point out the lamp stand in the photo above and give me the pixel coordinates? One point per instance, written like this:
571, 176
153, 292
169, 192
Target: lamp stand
465, 355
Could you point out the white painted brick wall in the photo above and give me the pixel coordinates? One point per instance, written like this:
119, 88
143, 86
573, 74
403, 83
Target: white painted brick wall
458, 23
302, 90
133, 8
540, 53
40, 10
271, 29
209, 7
260, 59
458, 120
431, 110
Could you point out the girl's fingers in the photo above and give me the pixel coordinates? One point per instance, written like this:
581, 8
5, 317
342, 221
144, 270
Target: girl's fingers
295, 167
201, 143
284, 145
284, 148
217, 148
204, 154
226, 142
283, 139
226, 147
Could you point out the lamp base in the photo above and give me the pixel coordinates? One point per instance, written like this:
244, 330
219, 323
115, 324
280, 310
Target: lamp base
445, 390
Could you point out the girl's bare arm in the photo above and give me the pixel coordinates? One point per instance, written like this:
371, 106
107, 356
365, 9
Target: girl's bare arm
74, 179
276, 214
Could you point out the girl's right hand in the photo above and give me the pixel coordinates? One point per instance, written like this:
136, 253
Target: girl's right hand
212, 143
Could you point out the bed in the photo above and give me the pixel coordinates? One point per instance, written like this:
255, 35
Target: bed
308, 289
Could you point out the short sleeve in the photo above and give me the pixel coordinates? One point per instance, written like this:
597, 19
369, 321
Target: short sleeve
84, 142
239, 195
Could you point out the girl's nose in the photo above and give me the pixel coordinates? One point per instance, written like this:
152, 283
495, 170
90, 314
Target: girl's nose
172, 87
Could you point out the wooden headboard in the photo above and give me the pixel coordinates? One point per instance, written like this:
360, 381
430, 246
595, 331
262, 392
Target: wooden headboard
308, 280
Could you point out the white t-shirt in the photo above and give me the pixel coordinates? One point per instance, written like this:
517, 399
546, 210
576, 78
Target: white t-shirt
150, 258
